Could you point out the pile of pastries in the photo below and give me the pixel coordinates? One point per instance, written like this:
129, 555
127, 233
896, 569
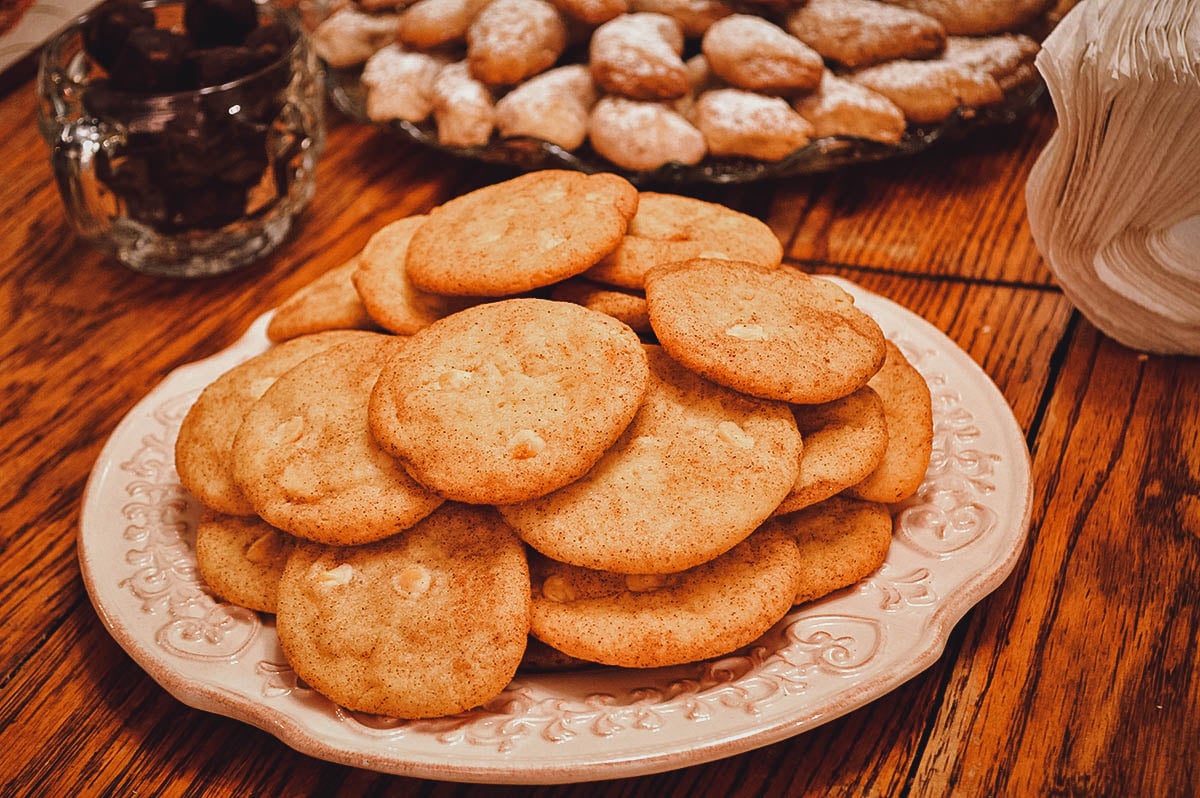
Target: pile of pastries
645, 83
465, 454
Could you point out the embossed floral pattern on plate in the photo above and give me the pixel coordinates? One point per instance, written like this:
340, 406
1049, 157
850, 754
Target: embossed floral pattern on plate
956, 540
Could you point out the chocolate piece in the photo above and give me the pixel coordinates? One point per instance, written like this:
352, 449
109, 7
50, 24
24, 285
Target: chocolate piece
217, 23
131, 177
218, 65
207, 207
109, 27
151, 61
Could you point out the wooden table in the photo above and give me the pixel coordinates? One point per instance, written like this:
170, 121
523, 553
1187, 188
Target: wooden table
1080, 675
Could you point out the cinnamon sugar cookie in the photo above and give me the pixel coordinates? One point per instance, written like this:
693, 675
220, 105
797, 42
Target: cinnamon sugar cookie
241, 559
652, 620
909, 410
541, 658
381, 281
625, 306
844, 441
524, 233
698, 469
330, 302
858, 33
203, 450
841, 540
507, 401
670, 227
306, 461
428, 623
774, 333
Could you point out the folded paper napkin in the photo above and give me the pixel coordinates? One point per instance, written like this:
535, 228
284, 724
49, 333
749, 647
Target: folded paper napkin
1114, 199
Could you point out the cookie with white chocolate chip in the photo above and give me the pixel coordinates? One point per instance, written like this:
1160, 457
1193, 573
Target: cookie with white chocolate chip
844, 441
773, 333
241, 558
428, 623
329, 302
654, 620
204, 447
841, 540
508, 401
698, 469
525, 233
670, 227
381, 281
305, 460
908, 407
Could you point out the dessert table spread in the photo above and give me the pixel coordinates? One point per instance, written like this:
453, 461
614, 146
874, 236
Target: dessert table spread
1078, 674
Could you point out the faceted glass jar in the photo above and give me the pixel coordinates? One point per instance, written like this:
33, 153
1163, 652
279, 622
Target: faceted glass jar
183, 184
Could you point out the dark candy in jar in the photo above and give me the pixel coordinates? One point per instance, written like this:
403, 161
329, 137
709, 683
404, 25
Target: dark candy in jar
217, 65
151, 61
110, 26
217, 23
191, 162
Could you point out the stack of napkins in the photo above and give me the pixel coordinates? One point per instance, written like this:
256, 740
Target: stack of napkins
1114, 200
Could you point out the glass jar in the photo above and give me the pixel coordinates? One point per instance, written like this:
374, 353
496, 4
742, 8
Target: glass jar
183, 183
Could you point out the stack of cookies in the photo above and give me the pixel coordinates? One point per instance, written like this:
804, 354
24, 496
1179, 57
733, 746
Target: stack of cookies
554, 421
645, 83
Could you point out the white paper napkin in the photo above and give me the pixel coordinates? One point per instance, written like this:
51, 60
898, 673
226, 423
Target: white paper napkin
1114, 199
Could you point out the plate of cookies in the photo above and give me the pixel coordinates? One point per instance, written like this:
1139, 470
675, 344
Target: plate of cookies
627, 495
672, 92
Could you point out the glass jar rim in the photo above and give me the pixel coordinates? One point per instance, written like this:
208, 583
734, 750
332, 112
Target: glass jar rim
50, 56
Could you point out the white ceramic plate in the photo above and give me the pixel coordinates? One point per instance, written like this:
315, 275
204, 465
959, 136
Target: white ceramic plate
955, 542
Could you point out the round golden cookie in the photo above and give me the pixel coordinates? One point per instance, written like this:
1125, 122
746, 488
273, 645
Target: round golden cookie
909, 411
698, 469
330, 302
541, 658
774, 333
507, 401
305, 458
241, 558
844, 441
382, 282
427, 623
669, 228
524, 233
625, 306
841, 541
648, 621
203, 450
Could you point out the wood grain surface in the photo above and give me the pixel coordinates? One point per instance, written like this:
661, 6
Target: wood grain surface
1080, 675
